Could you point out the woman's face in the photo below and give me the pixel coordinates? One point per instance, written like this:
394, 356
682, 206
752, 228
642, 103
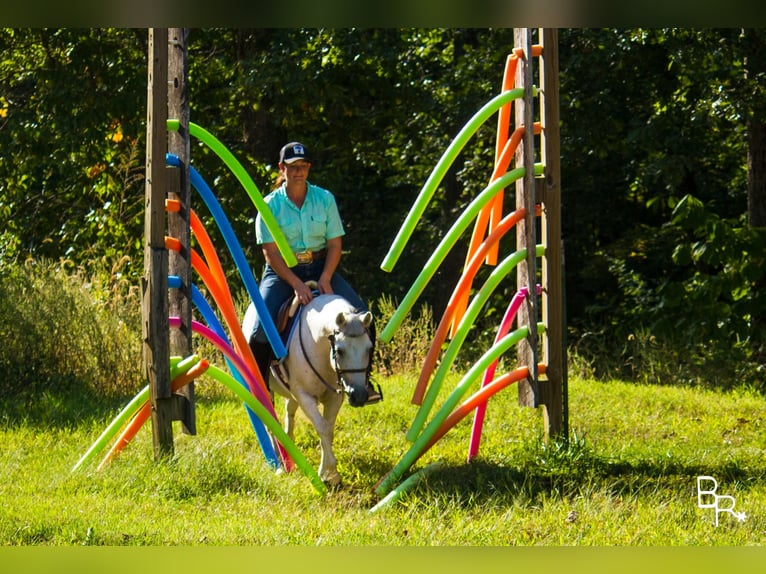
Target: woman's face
296, 172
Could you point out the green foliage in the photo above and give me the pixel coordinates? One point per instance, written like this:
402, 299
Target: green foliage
696, 323
72, 102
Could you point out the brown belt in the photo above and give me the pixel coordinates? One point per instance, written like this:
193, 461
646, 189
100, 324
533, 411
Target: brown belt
306, 257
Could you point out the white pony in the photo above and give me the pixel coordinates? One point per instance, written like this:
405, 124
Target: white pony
328, 355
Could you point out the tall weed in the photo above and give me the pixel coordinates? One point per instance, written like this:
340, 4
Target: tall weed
410, 343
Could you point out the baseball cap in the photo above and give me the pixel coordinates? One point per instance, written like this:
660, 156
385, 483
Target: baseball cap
293, 152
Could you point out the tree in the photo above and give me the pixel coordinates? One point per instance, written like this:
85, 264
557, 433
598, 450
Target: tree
69, 130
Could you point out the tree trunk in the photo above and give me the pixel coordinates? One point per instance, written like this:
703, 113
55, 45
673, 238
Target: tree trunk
756, 217
756, 172
756, 181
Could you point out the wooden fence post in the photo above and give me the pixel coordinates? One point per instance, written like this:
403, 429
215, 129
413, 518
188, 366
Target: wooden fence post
179, 263
156, 348
526, 230
548, 390
553, 391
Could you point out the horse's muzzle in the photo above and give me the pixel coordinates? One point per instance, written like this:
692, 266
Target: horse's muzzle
357, 396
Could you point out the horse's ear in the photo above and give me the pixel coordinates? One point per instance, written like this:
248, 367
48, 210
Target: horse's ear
340, 320
366, 319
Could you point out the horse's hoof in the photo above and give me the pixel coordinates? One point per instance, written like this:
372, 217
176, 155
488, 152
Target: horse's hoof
332, 479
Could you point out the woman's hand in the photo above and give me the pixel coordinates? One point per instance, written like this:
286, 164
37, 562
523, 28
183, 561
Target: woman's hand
303, 292
324, 286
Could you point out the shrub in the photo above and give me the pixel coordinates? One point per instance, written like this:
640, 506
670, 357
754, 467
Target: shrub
65, 331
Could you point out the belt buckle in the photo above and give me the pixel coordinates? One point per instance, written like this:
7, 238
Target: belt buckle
304, 257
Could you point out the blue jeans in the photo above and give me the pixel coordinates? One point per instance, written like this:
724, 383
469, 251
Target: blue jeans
275, 290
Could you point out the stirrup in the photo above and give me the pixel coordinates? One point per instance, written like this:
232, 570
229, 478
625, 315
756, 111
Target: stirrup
279, 370
373, 395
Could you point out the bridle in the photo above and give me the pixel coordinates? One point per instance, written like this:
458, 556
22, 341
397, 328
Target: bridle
342, 386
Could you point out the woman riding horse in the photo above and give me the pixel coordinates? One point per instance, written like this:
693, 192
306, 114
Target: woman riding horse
308, 216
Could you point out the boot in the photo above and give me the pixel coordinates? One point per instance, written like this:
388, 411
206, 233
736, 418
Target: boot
263, 355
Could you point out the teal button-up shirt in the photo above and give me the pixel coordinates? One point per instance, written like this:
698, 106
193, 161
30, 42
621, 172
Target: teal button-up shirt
307, 228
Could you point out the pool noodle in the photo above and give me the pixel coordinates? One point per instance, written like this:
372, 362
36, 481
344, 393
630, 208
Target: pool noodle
503, 121
408, 484
482, 221
499, 273
505, 326
229, 352
487, 212
260, 430
210, 254
230, 316
504, 113
445, 245
494, 210
241, 366
489, 374
447, 158
495, 207
245, 180
240, 261
215, 279
145, 412
413, 453
201, 268
216, 282
478, 399
463, 286
237, 254
125, 414
504, 149
281, 436
501, 167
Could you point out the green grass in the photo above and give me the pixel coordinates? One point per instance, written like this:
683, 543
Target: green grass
627, 475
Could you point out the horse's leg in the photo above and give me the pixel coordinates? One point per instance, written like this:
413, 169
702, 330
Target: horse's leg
291, 406
328, 471
329, 464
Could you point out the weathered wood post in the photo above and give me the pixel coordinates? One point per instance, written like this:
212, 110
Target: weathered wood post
156, 348
179, 263
526, 230
548, 390
553, 390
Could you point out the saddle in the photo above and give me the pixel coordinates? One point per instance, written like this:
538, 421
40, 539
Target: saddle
284, 324
286, 314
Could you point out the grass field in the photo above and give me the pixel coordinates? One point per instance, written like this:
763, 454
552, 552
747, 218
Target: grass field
627, 477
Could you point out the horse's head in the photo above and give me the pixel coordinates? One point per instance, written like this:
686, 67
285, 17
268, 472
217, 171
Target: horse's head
351, 348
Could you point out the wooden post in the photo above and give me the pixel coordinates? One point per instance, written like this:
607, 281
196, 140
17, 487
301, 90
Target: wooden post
553, 390
548, 391
526, 230
179, 223
155, 281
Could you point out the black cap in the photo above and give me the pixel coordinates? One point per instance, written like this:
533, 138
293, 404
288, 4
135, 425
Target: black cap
293, 152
